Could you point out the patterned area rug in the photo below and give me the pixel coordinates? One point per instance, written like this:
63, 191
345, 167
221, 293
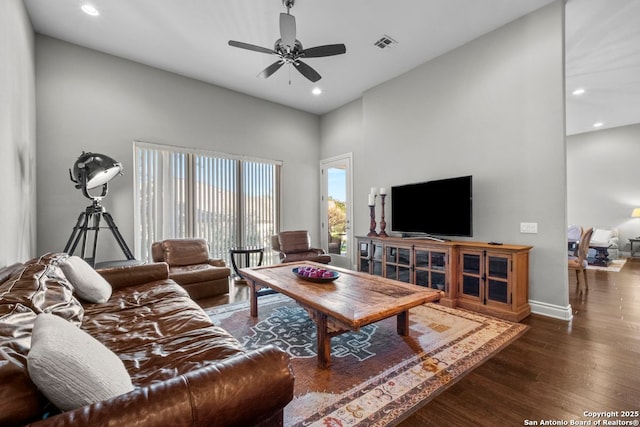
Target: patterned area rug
377, 378
614, 266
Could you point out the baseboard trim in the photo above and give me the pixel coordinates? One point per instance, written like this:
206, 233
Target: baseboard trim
551, 310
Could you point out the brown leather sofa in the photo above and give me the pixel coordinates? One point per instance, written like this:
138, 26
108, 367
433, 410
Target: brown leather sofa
185, 371
191, 267
295, 246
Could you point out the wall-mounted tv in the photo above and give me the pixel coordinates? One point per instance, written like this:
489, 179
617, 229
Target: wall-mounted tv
441, 207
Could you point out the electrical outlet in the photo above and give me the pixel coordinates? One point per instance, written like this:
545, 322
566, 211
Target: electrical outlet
529, 227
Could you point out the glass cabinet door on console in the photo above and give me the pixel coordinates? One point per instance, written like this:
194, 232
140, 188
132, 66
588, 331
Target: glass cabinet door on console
485, 277
398, 263
376, 259
498, 279
370, 257
471, 275
430, 269
364, 258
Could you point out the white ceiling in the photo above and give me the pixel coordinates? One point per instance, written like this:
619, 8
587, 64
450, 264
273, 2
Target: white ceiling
190, 37
603, 57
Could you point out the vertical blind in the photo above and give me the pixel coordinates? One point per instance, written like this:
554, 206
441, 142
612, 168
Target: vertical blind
228, 201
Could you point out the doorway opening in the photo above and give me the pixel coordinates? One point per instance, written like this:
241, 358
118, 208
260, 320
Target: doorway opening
336, 235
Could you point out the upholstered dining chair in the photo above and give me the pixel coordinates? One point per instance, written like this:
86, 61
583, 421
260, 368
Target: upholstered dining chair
295, 246
579, 262
574, 233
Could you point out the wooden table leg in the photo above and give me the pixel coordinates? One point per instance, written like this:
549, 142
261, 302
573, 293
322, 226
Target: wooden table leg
403, 323
324, 341
253, 298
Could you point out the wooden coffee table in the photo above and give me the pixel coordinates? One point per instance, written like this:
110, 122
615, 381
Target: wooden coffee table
348, 303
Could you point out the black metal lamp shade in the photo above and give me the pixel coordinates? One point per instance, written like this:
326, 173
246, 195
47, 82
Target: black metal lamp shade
92, 170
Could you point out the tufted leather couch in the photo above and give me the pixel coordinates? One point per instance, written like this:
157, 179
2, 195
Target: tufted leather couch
186, 371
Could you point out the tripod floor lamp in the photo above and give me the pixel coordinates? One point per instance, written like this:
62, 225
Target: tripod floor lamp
91, 171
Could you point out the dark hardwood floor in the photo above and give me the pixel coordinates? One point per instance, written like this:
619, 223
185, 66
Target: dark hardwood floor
236, 293
557, 370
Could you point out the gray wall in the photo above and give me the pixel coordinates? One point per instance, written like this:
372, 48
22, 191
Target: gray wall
17, 135
603, 179
342, 132
90, 101
494, 109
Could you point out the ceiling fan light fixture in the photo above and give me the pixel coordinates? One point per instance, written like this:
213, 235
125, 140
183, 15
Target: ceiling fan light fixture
289, 50
90, 9
316, 91
288, 4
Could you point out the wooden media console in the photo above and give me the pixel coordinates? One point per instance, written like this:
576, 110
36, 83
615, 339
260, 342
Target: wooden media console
492, 279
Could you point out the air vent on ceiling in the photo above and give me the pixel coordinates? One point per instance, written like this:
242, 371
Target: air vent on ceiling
385, 41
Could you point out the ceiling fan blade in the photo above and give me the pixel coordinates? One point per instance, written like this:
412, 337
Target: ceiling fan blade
326, 50
288, 29
307, 71
252, 47
270, 69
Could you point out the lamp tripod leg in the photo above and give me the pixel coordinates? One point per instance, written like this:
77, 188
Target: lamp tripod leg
90, 220
75, 234
79, 233
116, 233
96, 228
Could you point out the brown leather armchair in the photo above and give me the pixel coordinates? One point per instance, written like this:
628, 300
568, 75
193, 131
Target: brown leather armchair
335, 244
295, 246
192, 268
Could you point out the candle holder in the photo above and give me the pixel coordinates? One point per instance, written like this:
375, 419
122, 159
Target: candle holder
383, 223
372, 224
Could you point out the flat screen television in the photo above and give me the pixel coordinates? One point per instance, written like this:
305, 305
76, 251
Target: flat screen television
440, 208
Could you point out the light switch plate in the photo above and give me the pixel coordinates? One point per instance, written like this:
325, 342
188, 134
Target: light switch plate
529, 227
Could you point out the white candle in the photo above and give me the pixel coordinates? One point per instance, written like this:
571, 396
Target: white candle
373, 190
371, 200
383, 190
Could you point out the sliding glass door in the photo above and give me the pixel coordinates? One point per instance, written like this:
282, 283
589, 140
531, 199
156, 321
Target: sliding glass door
228, 201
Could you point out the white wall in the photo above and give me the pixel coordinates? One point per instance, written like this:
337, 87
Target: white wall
17, 135
494, 109
603, 180
90, 101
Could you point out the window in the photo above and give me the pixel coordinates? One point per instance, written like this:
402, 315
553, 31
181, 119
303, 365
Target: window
228, 201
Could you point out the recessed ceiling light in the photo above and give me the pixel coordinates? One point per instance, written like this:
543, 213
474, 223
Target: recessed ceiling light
90, 10
579, 91
598, 124
316, 91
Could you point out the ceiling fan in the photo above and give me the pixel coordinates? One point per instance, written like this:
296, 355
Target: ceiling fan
290, 50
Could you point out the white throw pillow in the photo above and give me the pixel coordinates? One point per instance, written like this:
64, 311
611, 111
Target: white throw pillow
88, 283
601, 236
70, 367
